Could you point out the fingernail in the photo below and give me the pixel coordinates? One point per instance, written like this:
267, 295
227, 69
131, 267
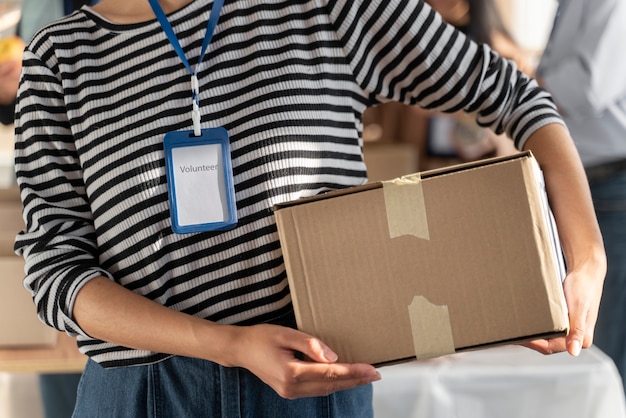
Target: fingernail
330, 355
576, 348
376, 377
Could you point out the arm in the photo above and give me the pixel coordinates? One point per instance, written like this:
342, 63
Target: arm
104, 309
570, 200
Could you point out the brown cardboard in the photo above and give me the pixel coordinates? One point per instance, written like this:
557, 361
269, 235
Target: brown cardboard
11, 221
480, 266
19, 325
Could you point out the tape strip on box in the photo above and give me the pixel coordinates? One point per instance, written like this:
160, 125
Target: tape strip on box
430, 325
406, 210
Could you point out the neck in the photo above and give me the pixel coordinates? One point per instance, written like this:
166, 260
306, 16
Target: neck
134, 11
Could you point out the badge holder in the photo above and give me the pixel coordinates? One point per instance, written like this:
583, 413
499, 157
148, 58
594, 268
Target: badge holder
200, 181
199, 168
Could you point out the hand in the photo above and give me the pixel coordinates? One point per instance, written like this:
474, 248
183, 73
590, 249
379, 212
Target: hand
269, 351
581, 240
583, 291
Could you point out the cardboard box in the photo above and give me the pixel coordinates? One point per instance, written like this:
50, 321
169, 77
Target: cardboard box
426, 265
11, 221
19, 325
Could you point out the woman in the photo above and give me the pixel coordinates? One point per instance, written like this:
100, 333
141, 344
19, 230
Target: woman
200, 324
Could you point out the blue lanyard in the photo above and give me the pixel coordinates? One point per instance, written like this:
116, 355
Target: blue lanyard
169, 32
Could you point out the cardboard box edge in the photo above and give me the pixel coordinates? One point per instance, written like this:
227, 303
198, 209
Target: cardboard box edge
423, 174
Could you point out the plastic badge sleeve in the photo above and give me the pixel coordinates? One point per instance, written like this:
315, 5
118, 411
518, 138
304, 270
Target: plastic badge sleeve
200, 181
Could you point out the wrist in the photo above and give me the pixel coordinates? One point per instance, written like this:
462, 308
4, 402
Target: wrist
215, 342
591, 261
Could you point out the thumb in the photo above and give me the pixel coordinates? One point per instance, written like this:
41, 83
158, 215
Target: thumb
316, 350
576, 336
574, 346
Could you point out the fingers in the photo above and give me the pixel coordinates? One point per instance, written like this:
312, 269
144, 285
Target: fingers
579, 337
575, 339
270, 353
321, 379
581, 330
316, 350
322, 375
583, 298
551, 346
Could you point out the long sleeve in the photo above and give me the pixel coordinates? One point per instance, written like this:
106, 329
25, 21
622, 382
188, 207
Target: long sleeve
401, 50
59, 241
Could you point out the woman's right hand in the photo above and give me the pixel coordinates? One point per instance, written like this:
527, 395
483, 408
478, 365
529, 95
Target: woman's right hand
271, 353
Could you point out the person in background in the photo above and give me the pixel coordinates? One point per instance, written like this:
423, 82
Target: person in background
11, 48
9, 79
584, 67
34, 16
201, 323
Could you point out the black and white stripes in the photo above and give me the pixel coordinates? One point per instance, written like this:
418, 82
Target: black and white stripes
289, 80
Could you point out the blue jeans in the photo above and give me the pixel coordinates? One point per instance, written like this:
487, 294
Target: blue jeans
609, 198
182, 387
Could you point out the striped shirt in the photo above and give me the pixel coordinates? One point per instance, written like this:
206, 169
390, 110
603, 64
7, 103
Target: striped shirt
288, 80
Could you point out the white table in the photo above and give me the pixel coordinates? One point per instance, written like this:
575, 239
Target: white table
503, 382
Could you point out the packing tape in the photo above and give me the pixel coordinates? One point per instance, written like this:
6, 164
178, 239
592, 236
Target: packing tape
406, 209
430, 325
